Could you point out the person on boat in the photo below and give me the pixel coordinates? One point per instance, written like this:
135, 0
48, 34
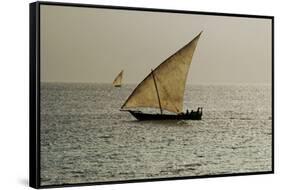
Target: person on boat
187, 112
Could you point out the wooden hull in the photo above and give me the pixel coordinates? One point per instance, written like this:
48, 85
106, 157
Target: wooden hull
117, 85
184, 116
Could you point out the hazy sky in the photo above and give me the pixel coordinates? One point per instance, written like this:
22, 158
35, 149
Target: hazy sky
94, 45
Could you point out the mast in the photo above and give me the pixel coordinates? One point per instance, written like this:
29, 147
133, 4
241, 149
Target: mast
161, 111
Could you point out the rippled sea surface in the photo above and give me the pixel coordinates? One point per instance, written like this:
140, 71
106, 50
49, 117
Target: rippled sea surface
85, 138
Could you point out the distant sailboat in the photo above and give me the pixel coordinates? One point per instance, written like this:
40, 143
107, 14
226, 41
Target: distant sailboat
164, 88
118, 80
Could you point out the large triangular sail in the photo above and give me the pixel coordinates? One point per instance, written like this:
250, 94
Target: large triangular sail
170, 77
118, 80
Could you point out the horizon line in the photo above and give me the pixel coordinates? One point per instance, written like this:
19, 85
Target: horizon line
89, 82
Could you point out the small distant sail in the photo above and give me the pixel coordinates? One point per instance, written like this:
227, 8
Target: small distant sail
118, 80
164, 87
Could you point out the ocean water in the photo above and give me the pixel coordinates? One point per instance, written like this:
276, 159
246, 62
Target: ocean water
85, 138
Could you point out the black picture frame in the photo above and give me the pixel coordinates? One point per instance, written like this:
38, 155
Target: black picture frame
34, 98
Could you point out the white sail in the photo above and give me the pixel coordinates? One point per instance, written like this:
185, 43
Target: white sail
169, 80
118, 80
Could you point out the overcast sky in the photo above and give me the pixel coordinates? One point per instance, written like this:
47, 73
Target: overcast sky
94, 45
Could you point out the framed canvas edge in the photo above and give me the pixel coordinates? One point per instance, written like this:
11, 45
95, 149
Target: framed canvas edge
34, 95
34, 92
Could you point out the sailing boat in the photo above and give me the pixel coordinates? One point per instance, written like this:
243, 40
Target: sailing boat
118, 80
164, 88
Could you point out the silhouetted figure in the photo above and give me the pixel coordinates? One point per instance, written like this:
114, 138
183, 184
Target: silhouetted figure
192, 112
